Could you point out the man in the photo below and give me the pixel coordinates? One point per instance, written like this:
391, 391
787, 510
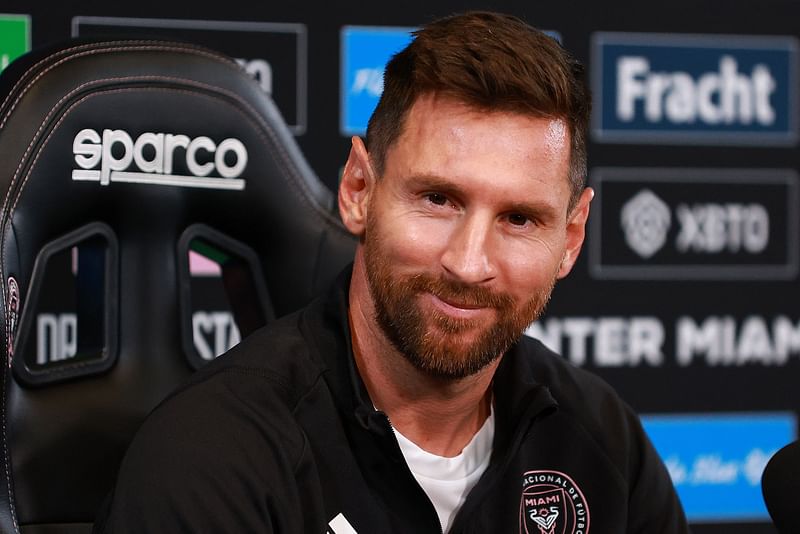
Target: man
406, 401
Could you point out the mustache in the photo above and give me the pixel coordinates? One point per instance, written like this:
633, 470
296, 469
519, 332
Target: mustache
460, 293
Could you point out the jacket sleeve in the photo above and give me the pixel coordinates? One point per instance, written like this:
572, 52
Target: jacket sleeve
654, 505
205, 461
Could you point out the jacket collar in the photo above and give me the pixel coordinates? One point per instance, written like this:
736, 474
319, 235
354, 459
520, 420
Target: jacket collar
335, 349
518, 396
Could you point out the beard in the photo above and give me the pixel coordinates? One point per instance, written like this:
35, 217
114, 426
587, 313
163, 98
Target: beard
439, 345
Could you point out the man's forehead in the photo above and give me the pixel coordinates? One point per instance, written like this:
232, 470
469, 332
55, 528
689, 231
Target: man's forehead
452, 124
557, 137
450, 143
438, 105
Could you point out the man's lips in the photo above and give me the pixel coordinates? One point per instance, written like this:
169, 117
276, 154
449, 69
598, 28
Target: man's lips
456, 308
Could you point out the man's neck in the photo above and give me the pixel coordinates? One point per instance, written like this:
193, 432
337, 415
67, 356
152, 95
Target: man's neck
440, 415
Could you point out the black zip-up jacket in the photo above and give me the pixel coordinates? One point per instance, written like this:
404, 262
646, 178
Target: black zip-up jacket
279, 436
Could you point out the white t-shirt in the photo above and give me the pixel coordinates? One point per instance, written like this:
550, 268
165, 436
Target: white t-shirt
447, 481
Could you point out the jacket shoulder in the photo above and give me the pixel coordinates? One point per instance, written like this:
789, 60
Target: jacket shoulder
574, 388
224, 448
590, 403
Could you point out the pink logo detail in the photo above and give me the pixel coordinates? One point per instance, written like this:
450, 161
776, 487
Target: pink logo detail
551, 503
13, 315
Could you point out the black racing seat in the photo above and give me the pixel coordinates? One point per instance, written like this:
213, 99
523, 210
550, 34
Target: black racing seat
155, 210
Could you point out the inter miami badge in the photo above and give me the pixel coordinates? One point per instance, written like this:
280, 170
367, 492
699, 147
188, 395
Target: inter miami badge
552, 503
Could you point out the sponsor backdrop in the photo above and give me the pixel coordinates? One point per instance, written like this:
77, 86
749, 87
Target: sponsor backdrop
686, 296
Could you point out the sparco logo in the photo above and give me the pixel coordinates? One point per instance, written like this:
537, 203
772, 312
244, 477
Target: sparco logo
552, 503
645, 219
153, 158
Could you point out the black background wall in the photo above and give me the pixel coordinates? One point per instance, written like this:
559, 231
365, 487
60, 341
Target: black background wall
692, 313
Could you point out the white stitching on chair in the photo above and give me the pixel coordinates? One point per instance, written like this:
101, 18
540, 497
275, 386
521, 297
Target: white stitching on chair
254, 117
126, 46
6, 458
135, 45
296, 183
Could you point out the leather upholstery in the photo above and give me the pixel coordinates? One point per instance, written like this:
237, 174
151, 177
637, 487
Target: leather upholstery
63, 438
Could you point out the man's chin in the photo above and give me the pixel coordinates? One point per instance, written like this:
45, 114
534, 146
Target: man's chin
449, 355
447, 366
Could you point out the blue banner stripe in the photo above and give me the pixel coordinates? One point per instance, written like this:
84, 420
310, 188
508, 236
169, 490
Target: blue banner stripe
365, 52
716, 460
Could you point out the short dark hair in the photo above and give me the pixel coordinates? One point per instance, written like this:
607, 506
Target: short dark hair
493, 62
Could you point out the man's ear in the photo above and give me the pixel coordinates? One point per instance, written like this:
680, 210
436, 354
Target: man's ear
356, 187
576, 231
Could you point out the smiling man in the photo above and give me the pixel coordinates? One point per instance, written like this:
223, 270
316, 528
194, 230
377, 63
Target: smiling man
407, 399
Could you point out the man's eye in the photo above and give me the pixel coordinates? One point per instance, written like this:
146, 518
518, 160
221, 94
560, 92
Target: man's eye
437, 198
517, 219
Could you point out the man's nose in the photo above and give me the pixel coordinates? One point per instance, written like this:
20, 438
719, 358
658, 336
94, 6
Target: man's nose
467, 256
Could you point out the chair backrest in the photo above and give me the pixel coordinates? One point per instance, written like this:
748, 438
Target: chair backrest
155, 209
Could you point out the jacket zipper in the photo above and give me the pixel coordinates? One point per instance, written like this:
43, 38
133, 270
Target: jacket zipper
400, 452
494, 472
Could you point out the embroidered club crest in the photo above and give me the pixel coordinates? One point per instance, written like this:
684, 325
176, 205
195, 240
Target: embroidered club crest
552, 503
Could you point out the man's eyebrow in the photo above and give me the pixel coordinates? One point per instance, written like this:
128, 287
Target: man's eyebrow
432, 181
541, 209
